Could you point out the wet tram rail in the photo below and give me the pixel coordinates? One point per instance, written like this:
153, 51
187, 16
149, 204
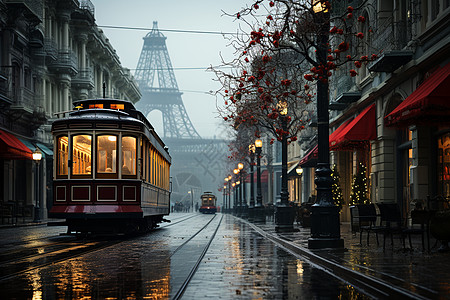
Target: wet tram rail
36, 255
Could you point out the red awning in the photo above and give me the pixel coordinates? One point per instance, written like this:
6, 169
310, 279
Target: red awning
12, 148
357, 132
335, 133
428, 104
264, 176
310, 158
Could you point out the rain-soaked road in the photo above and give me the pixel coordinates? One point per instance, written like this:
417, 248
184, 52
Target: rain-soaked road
196, 256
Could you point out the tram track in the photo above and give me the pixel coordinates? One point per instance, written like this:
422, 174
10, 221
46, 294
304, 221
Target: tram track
182, 288
23, 265
20, 261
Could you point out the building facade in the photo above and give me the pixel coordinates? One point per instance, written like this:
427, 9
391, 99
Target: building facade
394, 115
52, 53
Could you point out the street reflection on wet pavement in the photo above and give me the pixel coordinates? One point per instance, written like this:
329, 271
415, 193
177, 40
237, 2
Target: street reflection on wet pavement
239, 264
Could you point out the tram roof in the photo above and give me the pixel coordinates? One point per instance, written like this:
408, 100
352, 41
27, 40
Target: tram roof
102, 110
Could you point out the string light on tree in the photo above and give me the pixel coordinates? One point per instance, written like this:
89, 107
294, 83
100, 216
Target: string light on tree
359, 187
338, 198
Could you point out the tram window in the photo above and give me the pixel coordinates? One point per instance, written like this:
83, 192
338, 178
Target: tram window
63, 155
107, 154
95, 105
129, 155
81, 154
117, 106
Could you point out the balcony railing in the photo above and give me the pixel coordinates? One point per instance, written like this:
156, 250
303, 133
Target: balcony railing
84, 79
67, 62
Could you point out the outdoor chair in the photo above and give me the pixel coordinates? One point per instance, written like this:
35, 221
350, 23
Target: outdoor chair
391, 222
365, 216
422, 218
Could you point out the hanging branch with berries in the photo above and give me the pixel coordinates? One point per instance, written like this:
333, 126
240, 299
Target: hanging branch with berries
276, 62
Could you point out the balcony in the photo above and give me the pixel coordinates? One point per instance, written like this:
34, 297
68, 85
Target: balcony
83, 80
66, 63
5, 87
51, 49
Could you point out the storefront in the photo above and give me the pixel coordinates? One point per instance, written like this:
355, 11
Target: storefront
422, 123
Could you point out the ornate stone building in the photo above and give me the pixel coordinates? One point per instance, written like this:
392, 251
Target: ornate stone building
394, 115
51, 53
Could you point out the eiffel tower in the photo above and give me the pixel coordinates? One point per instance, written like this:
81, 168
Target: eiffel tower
197, 164
162, 94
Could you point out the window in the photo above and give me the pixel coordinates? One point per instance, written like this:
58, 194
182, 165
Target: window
128, 155
81, 154
117, 106
107, 154
63, 155
95, 105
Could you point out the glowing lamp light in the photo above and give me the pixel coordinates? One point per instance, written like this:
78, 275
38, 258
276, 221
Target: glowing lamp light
319, 6
282, 107
258, 143
235, 171
37, 155
112, 138
240, 166
299, 171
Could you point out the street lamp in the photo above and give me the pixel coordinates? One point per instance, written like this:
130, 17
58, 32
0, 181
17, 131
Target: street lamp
224, 199
236, 193
299, 171
37, 156
192, 199
284, 213
244, 206
226, 204
251, 212
229, 193
325, 226
259, 214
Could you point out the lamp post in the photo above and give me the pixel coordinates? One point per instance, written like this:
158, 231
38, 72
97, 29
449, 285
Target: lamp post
225, 187
37, 156
192, 199
251, 212
299, 171
244, 205
284, 213
235, 198
259, 213
325, 226
238, 200
229, 193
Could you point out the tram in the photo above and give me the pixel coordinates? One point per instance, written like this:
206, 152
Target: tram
111, 169
208, 203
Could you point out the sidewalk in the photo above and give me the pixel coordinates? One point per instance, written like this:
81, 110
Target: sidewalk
396, 272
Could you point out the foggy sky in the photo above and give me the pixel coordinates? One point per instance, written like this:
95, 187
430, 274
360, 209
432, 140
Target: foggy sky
185, 50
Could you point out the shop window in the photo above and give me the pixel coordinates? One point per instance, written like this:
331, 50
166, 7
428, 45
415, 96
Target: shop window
107, 154
62, 156
444, 165
128, 155
81, 154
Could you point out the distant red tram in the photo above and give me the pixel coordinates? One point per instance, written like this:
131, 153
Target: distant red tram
208, 203
111, 169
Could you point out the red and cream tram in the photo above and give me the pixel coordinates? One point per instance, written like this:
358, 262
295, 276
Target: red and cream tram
111, 169
208, 203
